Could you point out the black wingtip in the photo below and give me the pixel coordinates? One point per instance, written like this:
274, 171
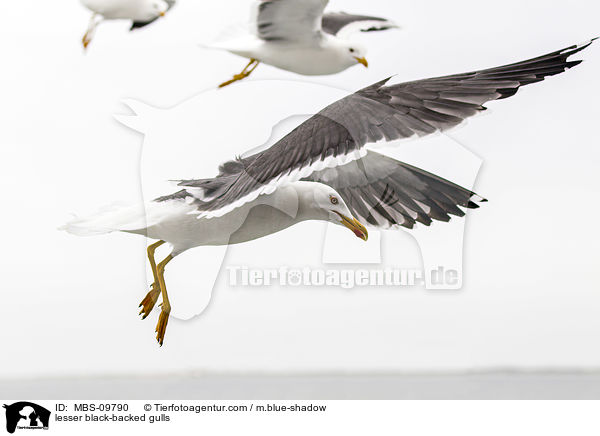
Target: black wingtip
139, 24
572, 64
574, 49
385, 81
379, 28
475, 198
507, 92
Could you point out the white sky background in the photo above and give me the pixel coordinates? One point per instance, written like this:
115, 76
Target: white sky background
531, 296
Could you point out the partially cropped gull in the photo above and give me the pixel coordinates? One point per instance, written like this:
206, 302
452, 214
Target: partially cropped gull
297, 36
326, 170
139, 12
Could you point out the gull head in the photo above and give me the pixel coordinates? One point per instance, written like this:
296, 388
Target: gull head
158, 8
354, 53
331, 202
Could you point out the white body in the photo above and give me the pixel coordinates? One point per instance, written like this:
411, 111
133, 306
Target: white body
177, 222
266, 215
320, 56
136, 10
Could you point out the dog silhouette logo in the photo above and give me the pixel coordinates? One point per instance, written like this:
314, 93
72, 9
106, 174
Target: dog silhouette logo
26, 415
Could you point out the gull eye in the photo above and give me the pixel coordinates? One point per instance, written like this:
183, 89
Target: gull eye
334, 200
351, 50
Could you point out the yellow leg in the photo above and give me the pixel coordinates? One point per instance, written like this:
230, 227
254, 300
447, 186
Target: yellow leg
161, 327
149, 301
89, 34
245, 73
85, 40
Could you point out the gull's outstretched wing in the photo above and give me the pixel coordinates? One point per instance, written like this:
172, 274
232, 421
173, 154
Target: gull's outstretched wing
140, 24
342, 24
384, 192
294, 20
339, 133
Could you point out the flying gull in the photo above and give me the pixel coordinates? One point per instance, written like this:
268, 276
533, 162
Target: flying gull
325, 170
140, 12
296, 36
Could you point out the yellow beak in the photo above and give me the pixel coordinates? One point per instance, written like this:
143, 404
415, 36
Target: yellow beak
354, 225
362, 61
162, 14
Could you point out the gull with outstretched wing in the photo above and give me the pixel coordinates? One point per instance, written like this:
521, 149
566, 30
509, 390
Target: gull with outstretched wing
299, 36
325, 170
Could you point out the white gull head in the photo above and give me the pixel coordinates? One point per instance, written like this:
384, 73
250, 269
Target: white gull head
349, 53
155, 8
327, 205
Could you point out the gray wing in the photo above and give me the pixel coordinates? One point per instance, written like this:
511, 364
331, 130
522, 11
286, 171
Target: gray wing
338, 133
385, 192
140, 24
294, 20
342, 24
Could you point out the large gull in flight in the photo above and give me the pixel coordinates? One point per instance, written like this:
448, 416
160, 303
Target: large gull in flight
297, 36
139, 12
324, 170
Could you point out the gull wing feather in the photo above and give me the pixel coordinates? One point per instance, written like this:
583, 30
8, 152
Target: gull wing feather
293, 20
339, 133
342, 24
387, 193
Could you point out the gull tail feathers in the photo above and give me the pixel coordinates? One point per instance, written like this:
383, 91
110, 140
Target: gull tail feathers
116, 218
110, 219
130, 219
